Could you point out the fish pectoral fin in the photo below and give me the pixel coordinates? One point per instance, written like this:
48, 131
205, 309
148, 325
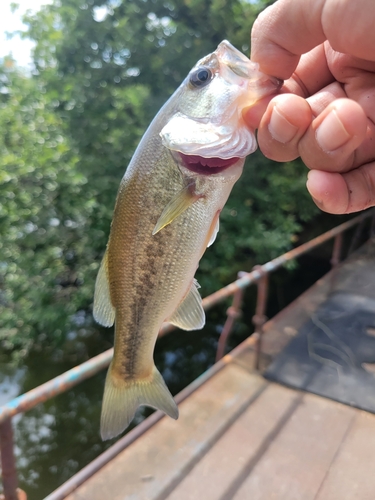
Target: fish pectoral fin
190, 315
178, 204
122, 398
103, 311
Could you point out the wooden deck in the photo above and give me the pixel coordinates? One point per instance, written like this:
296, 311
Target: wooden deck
241, 437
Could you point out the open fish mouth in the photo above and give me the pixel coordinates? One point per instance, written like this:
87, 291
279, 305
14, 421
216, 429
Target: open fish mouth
206, 166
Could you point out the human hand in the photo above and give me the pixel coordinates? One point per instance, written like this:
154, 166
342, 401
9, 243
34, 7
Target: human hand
325, 52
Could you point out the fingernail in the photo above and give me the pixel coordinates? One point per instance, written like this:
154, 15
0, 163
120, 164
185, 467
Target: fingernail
331, 133
280, 128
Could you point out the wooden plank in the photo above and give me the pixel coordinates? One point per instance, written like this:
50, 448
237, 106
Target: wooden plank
295, 464
243, 443
352, 475
150, 467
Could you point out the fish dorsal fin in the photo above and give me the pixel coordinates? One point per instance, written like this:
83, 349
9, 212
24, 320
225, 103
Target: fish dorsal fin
178, 204
104, 312
214, 233
189, 315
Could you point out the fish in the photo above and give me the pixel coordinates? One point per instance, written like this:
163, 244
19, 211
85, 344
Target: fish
166, 215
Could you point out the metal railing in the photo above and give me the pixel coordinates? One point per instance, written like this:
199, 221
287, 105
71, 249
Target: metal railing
69, 379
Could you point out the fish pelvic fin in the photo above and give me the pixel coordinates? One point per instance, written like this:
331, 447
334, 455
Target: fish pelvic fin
103, 311
190, 315
178, 204
122, 398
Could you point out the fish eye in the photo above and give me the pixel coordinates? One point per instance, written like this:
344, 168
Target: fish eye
201, 77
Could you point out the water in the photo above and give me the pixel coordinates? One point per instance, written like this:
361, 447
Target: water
56, 439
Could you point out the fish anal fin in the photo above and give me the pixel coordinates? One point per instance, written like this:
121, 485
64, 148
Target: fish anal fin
122, 398
178, 204
103, 311
190, 315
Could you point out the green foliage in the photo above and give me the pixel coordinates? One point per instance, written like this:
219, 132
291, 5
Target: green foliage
103, 69
42, 212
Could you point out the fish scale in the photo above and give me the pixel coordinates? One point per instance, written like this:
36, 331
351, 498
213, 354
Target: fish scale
166, 214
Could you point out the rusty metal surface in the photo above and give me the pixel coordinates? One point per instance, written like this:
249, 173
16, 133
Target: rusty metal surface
74, 376
224, 463
94, 466
155, 463
55, 386
239, 440
233, 313
81, 372
299, 310
8, 463
297, 459
21, 495
337, 247
259, 318
351, 475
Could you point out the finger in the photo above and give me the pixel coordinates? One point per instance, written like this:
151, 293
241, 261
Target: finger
283, 32
290, 28
343, 193
349, 27
300, 84
254, 113
340, 138
283, 124
333, 140
311, 75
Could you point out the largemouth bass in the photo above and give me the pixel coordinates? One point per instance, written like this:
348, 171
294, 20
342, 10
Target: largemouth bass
166, 214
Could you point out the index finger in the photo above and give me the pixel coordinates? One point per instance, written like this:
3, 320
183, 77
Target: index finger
289, 28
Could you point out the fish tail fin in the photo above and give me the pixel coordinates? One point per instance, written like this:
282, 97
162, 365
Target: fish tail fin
122, 398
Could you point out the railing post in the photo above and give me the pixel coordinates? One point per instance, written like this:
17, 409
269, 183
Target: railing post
8, 463
259, 318
372, 228
233, 313
357, 234
336, 252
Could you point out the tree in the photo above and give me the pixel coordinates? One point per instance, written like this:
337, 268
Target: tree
103, 69
43, 209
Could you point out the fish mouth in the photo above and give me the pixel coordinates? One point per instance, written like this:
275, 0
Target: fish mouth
207, 166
